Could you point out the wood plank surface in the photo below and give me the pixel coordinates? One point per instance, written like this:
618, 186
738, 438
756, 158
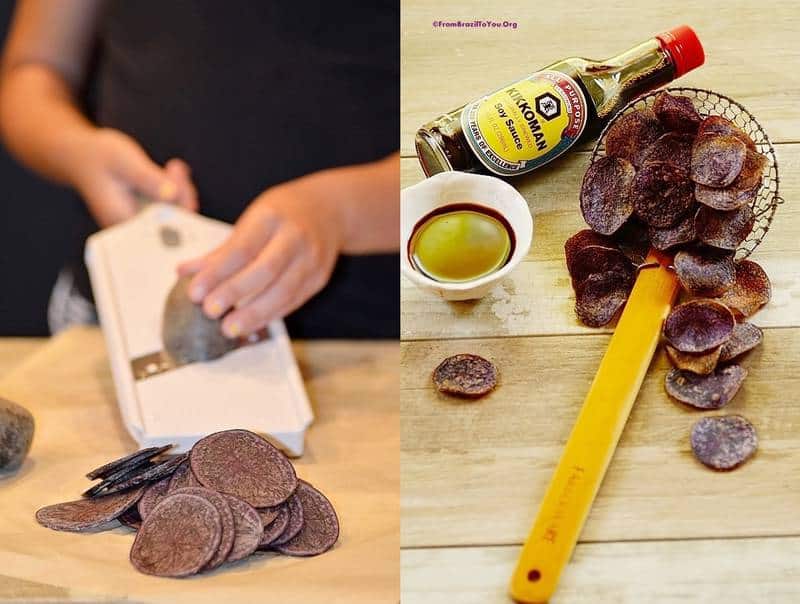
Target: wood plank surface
14, 351
733, 571
751, 51
351, 454
473, 473
537, 298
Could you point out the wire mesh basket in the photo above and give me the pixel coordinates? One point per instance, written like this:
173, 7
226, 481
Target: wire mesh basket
710, 103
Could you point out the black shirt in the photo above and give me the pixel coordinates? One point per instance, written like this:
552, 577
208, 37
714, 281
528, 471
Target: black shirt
254, 93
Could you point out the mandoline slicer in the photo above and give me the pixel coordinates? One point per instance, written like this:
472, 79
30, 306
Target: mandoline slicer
256, 386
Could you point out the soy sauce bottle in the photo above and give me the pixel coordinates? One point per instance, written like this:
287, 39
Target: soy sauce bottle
531, 122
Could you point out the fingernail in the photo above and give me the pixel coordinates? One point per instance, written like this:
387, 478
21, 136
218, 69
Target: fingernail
197, 293
215, 308
233, 330
168, 190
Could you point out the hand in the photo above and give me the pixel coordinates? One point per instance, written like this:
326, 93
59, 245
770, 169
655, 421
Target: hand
115, 168
281, 252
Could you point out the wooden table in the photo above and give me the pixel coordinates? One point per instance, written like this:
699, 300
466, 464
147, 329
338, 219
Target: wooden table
663, 528
351, 454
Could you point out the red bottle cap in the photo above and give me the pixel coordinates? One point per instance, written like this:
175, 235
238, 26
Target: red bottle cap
684, 47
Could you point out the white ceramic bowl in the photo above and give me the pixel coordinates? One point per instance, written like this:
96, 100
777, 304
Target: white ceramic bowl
458, 187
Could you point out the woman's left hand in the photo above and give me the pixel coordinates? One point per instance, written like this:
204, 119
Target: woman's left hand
282, 251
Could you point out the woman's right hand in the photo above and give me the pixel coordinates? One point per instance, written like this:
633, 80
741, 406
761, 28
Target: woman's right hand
115, 168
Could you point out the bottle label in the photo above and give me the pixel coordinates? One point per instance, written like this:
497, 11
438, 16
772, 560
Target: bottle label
527, 124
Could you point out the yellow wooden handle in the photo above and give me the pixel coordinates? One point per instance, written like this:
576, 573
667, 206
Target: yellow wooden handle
594, 437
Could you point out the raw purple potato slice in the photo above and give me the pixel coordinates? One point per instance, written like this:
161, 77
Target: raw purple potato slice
148, 473
682, 232
465, 375
583, 239
594, 259
745, 337
750, 292
295, 524
716, 124
243, 464
606, 201
672, 147
600, 296
129, 461
676, 112
698, 326
247, 527
227, 525
701, 364
178, 538
153, 493
188, 334
275, 528
705, 391
724, 230
321, 527
183, 477
717, 160
723, 442
630, 135
705, 272
662, 193
85, 514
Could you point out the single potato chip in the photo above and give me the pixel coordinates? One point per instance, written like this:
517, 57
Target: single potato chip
699, 325
676, 112
723, 442
600, 296
724, 230
705, 272
466, 375
606, 201
701, 364
631, 134
750, 291
717, 159
745, 337
583, 239
716, 124
710, 391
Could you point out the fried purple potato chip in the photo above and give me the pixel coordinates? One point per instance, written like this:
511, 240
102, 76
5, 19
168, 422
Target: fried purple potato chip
676, 112
671, 147
248, 528
724, 230
745, 337
129, 461
701, 364
130, 518
705, 272
275, 528
710, 391
662, 193
153, 493
699, 325
245, 465
717, 160
723, 442
716, 124
742, 191
179, 537
183, 477
600, 296
583, 239
680, 233
85, 514
606, 201
594, 259
630, 135
632, 240
296, 521
465, 375
320, 528
750, 292
227, 524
